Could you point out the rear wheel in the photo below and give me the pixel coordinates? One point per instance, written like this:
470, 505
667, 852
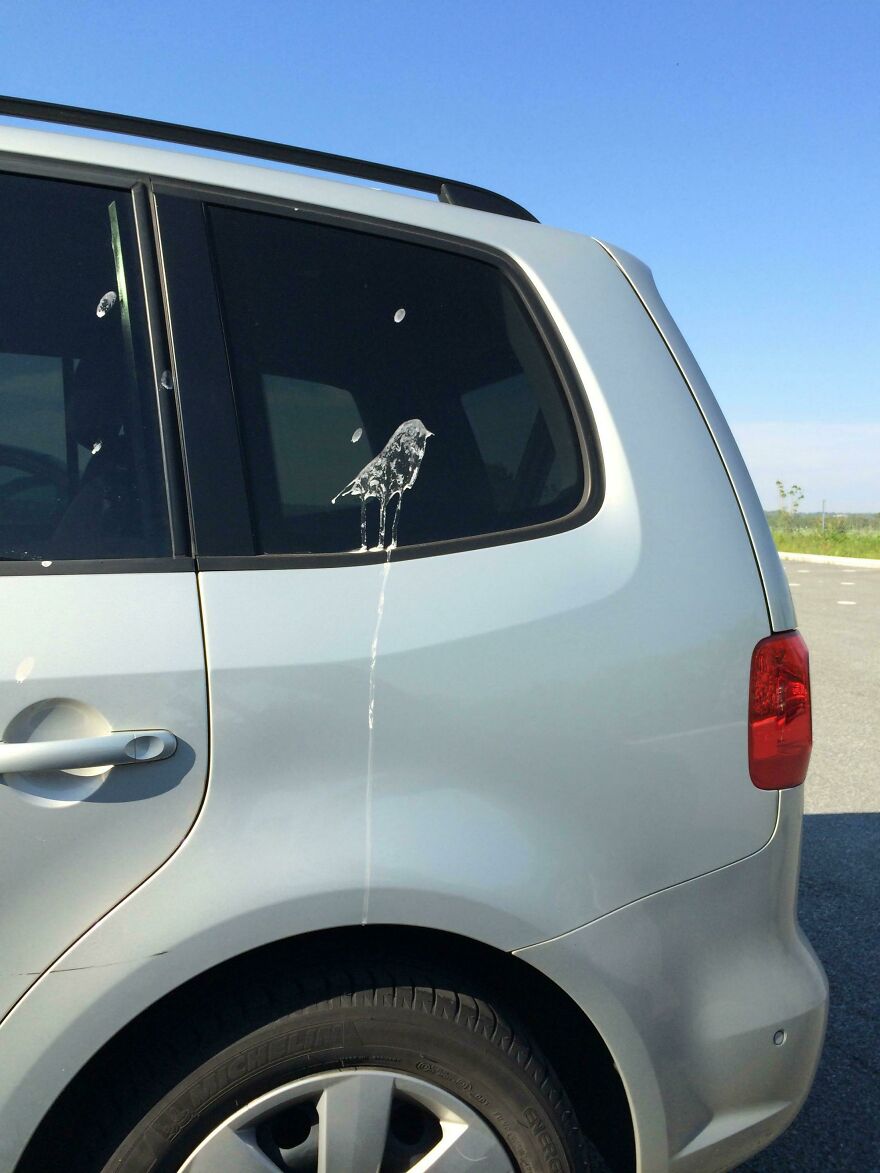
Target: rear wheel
374, 1079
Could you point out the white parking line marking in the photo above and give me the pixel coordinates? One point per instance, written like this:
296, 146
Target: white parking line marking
846, 602
795, 584
847, 584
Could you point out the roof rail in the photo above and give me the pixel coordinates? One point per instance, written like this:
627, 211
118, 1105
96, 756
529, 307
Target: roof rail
449, 191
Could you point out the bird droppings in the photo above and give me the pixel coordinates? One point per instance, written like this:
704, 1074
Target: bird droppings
106, 304
97, 446
46, 564
25, 668
371, 714
387, 476
374, 652
167, 381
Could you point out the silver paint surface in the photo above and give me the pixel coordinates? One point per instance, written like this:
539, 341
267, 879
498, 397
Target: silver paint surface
689, 988
87, 654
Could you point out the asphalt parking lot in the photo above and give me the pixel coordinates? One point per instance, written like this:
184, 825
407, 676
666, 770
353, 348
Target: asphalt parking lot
839, 614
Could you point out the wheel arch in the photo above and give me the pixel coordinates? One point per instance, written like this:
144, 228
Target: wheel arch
563, 1031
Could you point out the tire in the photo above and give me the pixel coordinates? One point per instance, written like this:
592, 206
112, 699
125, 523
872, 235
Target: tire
445, 1054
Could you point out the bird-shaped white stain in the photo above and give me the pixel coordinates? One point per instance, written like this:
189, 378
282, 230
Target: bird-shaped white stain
389, 475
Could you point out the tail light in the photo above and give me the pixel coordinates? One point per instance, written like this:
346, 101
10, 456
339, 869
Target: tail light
780, 720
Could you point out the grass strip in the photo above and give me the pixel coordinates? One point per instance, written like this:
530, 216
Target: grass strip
842, 544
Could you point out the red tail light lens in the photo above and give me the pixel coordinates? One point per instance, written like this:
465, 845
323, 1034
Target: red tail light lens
780, 720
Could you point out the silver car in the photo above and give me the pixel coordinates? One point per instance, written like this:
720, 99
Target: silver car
403, 713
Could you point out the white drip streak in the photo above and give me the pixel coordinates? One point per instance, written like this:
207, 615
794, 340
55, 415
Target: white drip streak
374, 647
368, 795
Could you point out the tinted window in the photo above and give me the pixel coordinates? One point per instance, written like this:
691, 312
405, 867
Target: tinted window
80, 467
377, 373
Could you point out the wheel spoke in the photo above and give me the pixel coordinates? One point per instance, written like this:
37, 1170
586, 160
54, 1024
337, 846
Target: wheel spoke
229, 1152
353, 1114
354, 1128
465, 1149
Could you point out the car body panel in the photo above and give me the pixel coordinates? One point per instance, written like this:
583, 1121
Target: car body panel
87, 654
521, 690
687, 988
779, 600
505, 681
690, 989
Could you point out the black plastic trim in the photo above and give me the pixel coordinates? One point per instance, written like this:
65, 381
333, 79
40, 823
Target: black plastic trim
178, 513
221, 514
219, 507
31, 567
69, 170
376, 557
448, 190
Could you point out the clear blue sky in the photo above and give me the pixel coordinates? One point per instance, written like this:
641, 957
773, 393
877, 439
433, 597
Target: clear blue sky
734, 146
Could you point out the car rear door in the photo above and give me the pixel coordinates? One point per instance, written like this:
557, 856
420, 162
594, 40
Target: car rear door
372, 429
464, 673
102, 681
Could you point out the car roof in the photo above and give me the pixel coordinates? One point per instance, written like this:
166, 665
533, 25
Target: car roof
449, 191
83, 119
135, 160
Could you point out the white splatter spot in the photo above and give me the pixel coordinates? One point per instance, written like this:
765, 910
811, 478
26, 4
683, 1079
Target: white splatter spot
25, 668
166, 382
97, 446
356, 435
45, 563
106, 304
399, 315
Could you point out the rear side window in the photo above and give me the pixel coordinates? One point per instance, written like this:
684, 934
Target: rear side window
80, 462
389, 393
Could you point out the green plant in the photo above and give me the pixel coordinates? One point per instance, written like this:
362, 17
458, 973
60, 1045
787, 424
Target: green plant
789, 503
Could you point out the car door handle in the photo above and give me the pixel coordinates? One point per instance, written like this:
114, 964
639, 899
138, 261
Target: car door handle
114, 749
